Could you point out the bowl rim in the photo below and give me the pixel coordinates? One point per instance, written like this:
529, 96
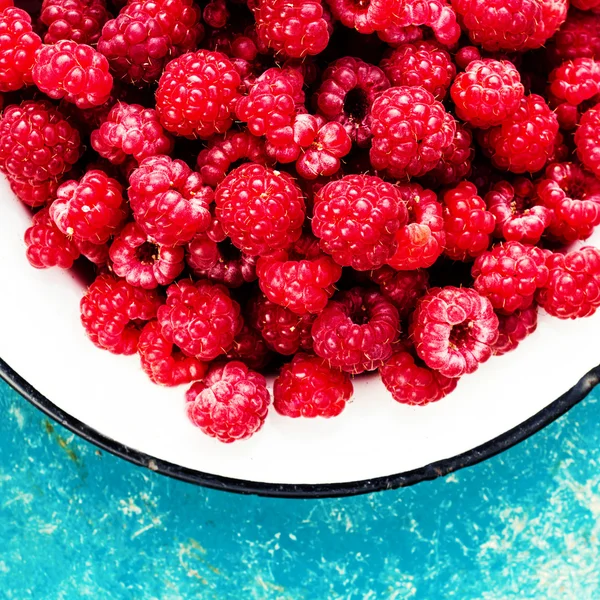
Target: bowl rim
429, 472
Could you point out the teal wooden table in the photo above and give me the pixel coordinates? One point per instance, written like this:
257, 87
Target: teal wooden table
76, 522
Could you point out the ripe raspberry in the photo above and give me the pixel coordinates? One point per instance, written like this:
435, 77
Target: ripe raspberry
201, 318
526, 140
411, 382
261, 210
130, 130
578, 37
307, 387
147, 34
411, 130
575, 81
78, 20
75, 72
197, 93
587, 139
169, 200
423, 64
250, 348
356, 219
421, 241
164, 364
487, 92
467, 223
402, 288
347, 92
47, 246
352, 13
514, 328
112, 312
91, 209
574, 198
454, 330
573, 289
554, 14
18, 47
230, 404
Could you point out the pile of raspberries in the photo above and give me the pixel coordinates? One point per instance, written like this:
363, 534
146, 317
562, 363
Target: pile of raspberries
311, 188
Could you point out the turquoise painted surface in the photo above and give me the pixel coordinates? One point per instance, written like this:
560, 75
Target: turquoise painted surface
76, 523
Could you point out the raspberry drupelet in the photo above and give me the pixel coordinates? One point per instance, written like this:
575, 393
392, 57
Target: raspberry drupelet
514, 328
112, 312
578, 37
402, 288
454, 330
307, 387
575, 81
591, 5
587, 139
78, 20
356, 331
200, 318
230, 404
250, 348
215, 14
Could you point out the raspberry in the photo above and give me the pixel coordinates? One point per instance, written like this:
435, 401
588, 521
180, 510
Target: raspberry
467, 223
509, 274
215, 14
411, 130
75, 72
454, 330
587, 139
526, 140
230, 404
421, 241
78, 20
307, 387
197, 93
169, 200
201, 318
579, 36
554, 14
423, 64
402, 288
575, 81
514, 328
347, 92
352, 14
95, 253
164, 364
302, 279
147, 34
112, 312
573, 289
574, 197
411, 382
250, 348
283, 331
91, 209
18, 47
47, 246
260, 209
130, 130
488, 92
356, 219
356, 331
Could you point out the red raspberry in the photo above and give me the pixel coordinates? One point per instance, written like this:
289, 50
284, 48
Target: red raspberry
514, 328
75, 72
397, 36
197, 93
488, 92
307, 387
18, 47
423, 64
554, 14
574, 197
33, 194
573, 289
421, 241
454, 330
467, 223
411, 130
261, 210
356, 219
130, 130
411, 382
164, 364
230, 404
169, 200
356, 331
509, 274
147, 34
575, 81
201, 318
526, 140
579, 36
250, 348
47, 246
215, 14
402, 288
347, 92
587, 139
77, 20
352, 13
112, 312
95, 253
91, 209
